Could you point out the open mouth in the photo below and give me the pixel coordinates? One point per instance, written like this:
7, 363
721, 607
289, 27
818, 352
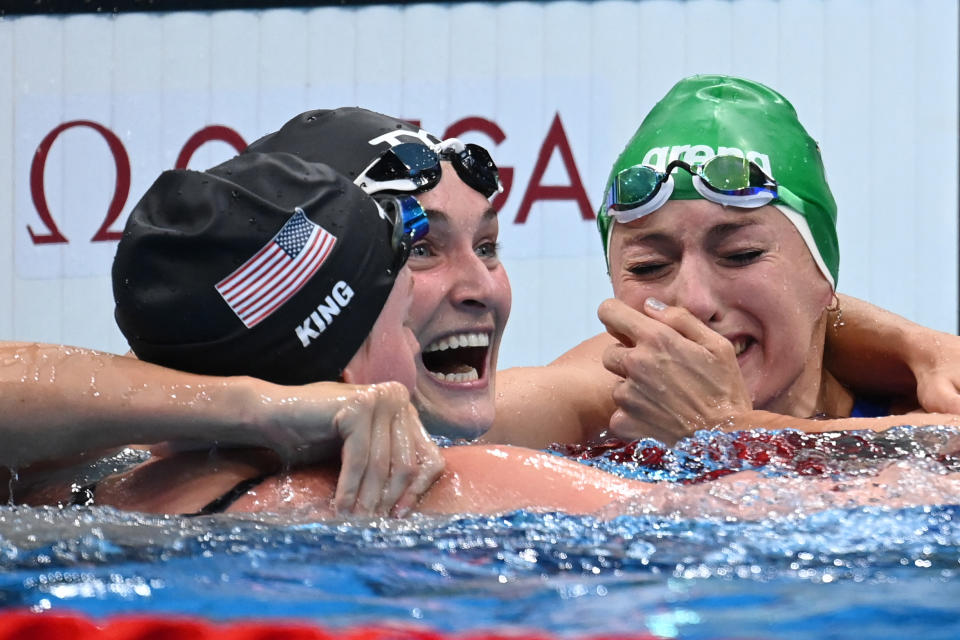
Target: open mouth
461, 357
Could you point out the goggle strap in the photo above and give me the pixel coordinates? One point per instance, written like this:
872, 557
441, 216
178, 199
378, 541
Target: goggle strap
371, 187
450, 144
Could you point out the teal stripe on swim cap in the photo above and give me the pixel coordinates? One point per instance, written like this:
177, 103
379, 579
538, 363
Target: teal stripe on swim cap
703, 116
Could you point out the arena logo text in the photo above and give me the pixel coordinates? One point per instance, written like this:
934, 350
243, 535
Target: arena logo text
659, 157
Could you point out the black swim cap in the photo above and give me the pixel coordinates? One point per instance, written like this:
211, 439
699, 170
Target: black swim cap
266, 266
348, 139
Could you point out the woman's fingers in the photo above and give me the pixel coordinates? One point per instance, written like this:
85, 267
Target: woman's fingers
622, 322
403, 464
429, 465
354, 423
939, 393
377, 473
687, 325
679, 375
388, 459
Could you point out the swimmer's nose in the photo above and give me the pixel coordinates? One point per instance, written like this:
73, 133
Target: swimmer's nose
475, 284
695, 289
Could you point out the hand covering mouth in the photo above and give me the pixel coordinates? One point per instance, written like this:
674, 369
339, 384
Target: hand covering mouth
460, 357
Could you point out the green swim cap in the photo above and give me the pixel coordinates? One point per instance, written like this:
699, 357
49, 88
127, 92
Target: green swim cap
703, 116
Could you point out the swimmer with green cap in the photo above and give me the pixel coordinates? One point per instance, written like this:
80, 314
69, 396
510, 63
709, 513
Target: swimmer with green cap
719, 230
707, 121
719, 205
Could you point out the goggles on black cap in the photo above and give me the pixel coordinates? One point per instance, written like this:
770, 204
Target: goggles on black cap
410, 225
411, 167
729, 180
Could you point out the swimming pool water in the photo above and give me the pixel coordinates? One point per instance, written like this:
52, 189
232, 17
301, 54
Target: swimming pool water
853, 572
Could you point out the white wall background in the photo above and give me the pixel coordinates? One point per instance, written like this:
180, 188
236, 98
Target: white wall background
874, 81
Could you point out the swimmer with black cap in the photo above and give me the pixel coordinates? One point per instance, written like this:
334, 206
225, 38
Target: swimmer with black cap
282, 270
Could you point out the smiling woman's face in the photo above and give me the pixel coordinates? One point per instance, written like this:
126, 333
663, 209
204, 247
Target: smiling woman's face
461, 303
746, 274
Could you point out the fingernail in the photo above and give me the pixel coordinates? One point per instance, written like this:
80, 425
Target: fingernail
654, 304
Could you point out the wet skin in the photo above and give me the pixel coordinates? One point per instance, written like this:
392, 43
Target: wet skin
391, 348
461, 303
387, 355
744, 273
460, 295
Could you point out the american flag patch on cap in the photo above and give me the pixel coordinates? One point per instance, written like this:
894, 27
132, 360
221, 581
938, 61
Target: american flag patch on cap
276, 272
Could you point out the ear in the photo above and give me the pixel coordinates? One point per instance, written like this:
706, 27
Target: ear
830, 300
355, 371
833, 304
348, 375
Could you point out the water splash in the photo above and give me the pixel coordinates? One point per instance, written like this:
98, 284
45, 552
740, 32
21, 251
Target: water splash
680, 574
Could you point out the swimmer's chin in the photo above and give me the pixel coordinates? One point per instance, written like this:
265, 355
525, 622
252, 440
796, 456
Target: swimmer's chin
454, 410
457, 419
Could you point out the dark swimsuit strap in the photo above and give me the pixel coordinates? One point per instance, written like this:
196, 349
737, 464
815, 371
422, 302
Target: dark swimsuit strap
84, 496
221, 504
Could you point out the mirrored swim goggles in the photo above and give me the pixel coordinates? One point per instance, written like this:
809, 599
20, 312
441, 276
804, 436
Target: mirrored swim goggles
410, 225
412, 167
728, 180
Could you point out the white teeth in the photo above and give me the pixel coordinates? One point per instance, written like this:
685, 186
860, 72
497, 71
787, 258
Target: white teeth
740, 346
460, 340
469, 376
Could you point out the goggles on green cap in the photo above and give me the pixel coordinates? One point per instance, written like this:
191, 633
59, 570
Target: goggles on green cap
731, 141
729, 180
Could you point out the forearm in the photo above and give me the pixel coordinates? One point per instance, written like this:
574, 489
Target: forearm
568, 400
58, 402
872, 350
532, 411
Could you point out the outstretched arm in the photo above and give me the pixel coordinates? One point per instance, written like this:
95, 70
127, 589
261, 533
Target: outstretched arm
568, 400
877, 352
60, 404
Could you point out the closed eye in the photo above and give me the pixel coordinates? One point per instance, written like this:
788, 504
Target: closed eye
648, 269
743, 258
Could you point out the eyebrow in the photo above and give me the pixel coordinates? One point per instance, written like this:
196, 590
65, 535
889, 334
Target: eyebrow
646, 238
728, 228
715, 233
437, 215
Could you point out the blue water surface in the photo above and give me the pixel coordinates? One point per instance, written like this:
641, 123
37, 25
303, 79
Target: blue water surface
854, 572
